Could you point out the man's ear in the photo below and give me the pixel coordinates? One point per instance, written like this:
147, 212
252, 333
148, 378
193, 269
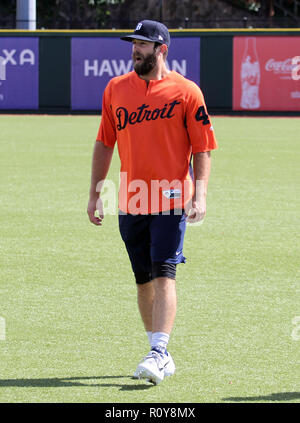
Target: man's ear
163, 48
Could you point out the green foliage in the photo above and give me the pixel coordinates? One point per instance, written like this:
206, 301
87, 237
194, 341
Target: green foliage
7, 7
252, 5
100, 2
83, 14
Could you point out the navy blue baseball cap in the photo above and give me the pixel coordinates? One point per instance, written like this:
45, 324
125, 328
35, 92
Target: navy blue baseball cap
152, 31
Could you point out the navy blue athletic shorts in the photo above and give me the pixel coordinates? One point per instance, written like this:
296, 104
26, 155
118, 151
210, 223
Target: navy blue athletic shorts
154, 243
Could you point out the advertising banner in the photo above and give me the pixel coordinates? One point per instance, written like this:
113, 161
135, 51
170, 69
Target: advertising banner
266, 73
19, 80
94, 61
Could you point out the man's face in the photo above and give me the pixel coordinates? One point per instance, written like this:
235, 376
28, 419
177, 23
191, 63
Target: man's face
144, 56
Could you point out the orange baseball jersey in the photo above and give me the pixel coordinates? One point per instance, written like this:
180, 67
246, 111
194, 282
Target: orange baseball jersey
157, 128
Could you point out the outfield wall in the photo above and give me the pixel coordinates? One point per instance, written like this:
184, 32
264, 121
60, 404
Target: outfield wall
239, 71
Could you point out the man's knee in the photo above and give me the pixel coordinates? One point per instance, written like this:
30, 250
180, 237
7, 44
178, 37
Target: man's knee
164, 270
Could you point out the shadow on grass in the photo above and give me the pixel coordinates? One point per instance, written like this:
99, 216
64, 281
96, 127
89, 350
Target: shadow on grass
74, 381
280, 396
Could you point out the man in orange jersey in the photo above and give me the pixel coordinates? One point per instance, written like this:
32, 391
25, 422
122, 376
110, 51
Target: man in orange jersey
159, 120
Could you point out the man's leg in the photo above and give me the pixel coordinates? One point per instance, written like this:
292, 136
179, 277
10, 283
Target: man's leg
164, 306
145, 299
157, 302
157, 299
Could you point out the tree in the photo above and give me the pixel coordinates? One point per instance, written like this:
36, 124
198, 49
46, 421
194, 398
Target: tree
74, 14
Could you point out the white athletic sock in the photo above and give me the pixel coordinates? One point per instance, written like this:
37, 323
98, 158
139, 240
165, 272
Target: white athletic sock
160, 341
149, 334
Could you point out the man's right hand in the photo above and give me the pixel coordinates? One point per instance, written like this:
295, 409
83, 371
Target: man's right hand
95, 204
102, 156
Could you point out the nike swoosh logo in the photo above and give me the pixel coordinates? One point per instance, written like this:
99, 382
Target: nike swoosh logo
165, 365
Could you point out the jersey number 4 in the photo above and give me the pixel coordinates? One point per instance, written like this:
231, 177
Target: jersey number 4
202, 116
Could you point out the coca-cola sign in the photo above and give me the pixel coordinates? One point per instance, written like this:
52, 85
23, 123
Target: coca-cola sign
282, 67
266, 73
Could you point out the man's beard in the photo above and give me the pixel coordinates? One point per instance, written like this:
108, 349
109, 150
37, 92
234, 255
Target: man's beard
146, 65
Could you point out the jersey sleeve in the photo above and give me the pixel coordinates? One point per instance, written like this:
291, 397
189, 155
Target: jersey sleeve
199, 126
107, 130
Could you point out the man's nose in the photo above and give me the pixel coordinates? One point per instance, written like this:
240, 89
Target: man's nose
135, 48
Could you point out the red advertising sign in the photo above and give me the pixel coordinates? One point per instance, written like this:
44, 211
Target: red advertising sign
266, 73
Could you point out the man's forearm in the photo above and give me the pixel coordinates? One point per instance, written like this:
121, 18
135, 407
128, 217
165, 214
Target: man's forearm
201, 168
102, 156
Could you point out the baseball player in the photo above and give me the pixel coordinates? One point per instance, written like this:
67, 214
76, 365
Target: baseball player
159, 120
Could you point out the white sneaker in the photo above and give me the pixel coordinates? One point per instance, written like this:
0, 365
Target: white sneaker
170, 367
154, 367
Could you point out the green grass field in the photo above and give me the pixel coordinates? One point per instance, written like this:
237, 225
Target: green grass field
72, 329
